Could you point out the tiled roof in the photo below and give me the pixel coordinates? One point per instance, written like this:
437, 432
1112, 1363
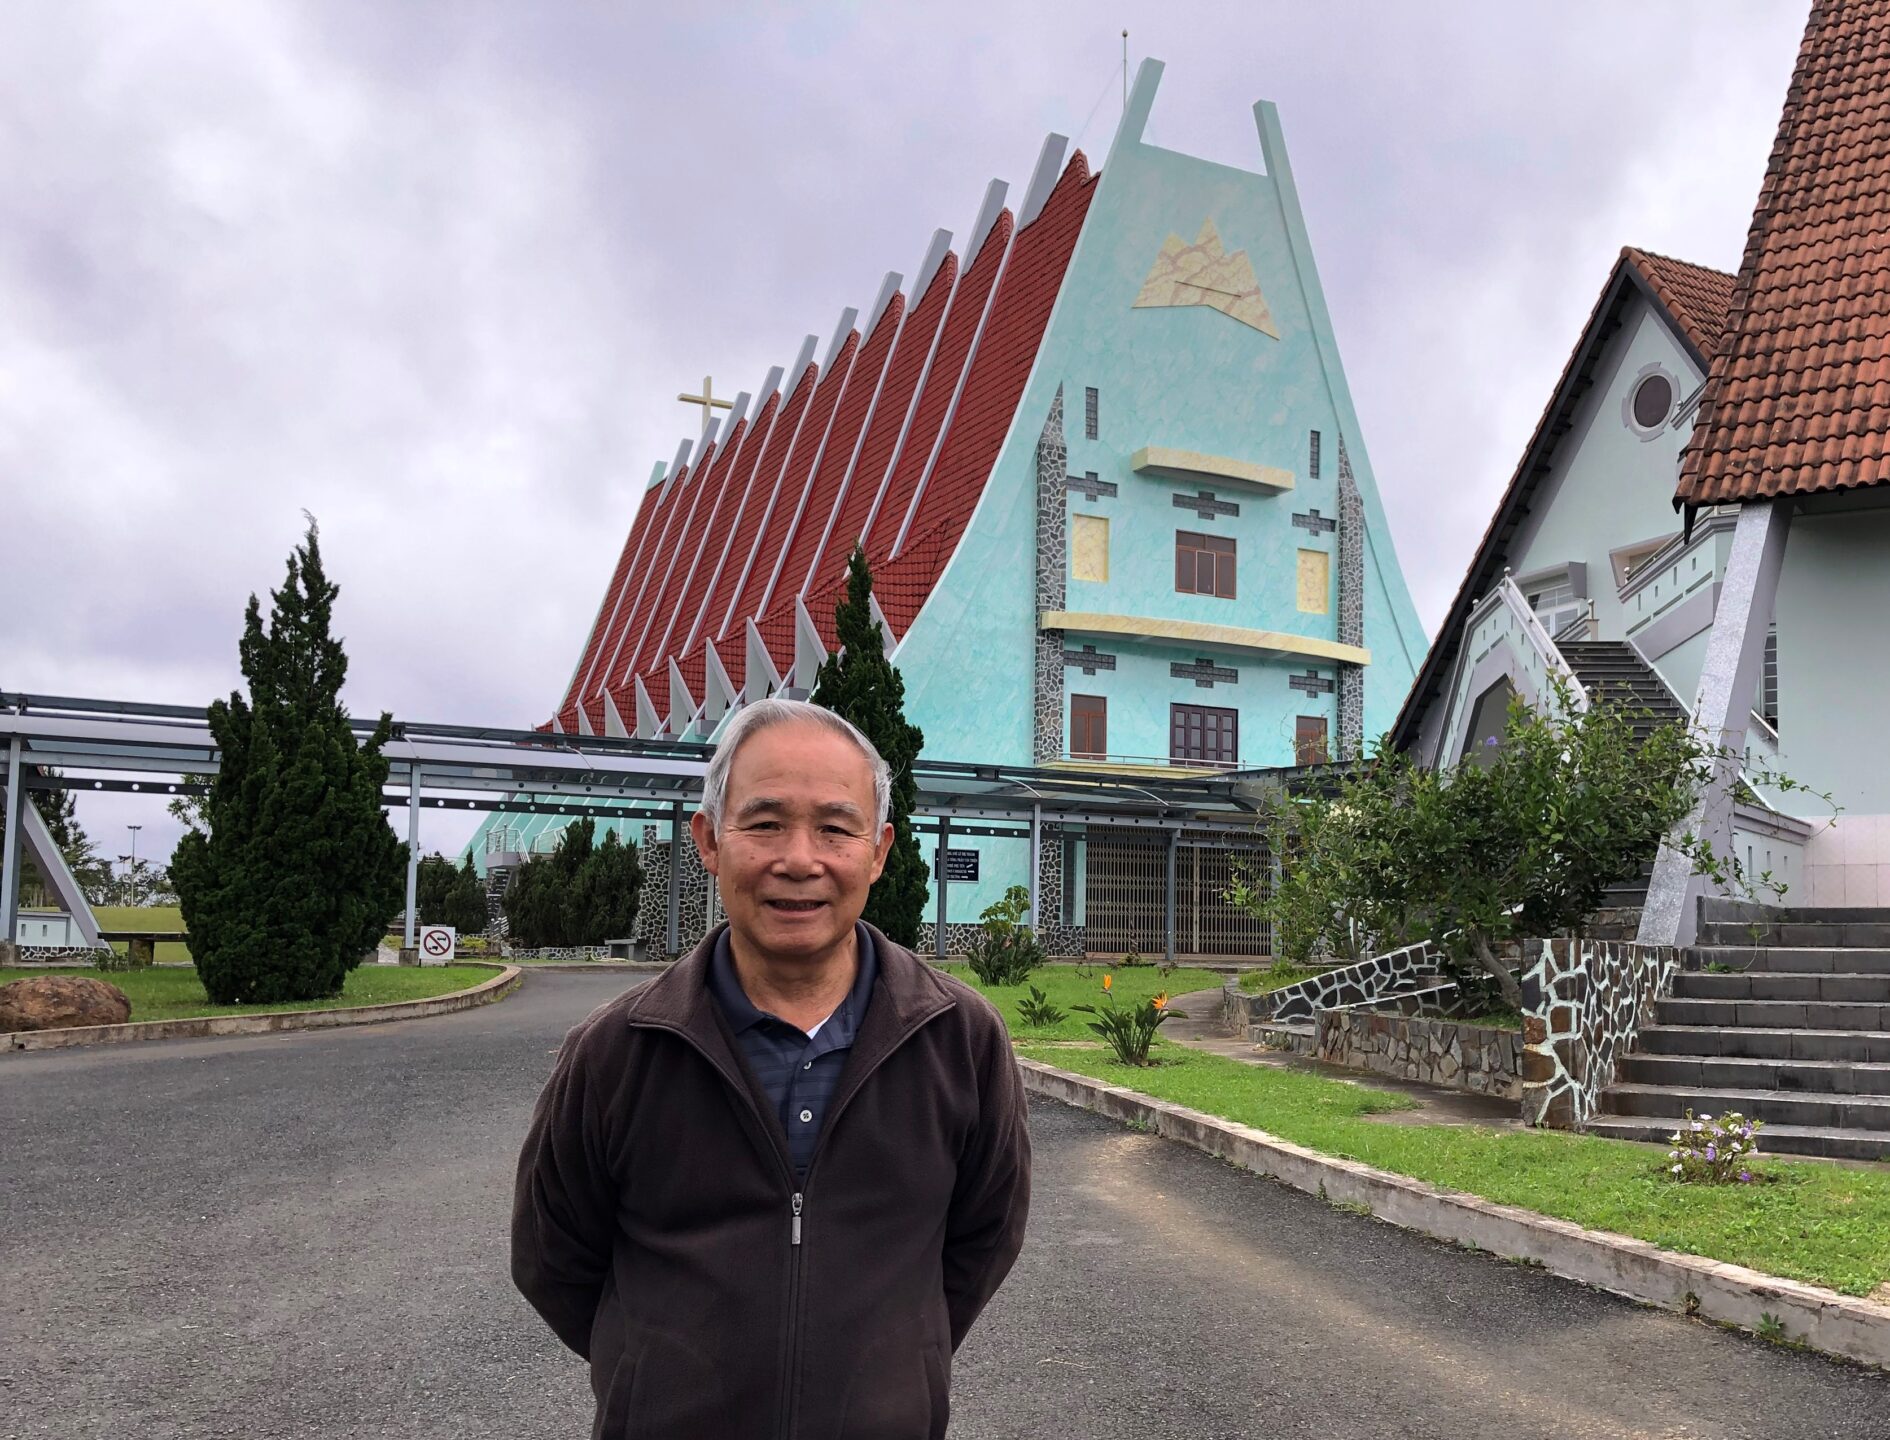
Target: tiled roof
871, 449
1799, 397
1686, 291
1696, 297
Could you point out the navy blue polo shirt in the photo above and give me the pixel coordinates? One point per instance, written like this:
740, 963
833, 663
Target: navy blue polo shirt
798, 1075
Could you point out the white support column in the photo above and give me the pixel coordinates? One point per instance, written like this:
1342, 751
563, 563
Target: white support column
1722, 710
10, 851
409, 938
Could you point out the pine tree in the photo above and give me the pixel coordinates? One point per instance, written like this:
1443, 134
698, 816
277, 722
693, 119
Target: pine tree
466, 900
300, 872
865, 687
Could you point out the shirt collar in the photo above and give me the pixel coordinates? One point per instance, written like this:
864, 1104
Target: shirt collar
743, 1014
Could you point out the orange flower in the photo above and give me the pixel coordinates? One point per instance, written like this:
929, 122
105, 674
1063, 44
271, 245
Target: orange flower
1108, 980
1160, 1002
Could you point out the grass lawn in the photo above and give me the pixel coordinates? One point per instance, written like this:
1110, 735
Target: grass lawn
144, 917
1069, 985
177, 995
1274, 977
1825, 1224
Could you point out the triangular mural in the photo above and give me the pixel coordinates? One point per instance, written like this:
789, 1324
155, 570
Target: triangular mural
1205, 274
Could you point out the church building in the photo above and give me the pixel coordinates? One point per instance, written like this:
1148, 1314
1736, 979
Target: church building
1702, 517
1102, 458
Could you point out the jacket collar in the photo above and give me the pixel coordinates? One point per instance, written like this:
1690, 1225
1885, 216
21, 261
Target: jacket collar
908, 994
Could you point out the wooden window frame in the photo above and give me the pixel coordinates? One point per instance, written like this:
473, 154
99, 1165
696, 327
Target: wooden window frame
1210, 723
1310, 746
1085, 722
1204, 565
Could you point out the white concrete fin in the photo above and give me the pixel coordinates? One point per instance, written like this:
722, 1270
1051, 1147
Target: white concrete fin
52, 867
657, 472
713, 429
810, 651
584, 721
718, 691
648, 725
682, 705
887, 638
888, 288
840, 333
758, 673
737, 414
1043, 179
613, 722
768, 386
935, 254
994, 194
557, 726
801, 362
682, 457
1148, 79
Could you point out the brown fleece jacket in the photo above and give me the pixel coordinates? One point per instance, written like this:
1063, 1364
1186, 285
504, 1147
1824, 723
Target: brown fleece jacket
657, 1226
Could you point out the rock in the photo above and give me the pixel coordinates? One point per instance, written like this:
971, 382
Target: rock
58, 1002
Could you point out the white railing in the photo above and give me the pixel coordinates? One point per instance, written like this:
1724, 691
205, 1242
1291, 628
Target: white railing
1503, 619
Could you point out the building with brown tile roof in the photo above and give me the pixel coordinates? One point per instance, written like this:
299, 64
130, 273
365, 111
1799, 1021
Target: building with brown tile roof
1799, 400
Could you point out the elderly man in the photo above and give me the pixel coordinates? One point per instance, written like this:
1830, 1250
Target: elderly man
768, 1193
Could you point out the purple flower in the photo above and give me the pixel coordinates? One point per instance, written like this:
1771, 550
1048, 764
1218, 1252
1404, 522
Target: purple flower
1711, 1154
1745, 1175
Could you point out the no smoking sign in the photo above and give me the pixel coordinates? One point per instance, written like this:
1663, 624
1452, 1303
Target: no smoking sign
436, 943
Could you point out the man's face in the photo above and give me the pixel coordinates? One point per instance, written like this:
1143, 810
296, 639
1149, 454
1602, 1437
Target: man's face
797, 849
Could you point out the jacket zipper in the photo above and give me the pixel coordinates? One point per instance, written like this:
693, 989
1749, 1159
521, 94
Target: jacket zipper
797, 1199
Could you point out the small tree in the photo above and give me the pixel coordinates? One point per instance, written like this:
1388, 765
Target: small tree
1478, 856
583, 893
866, 687
1006, 950
299, 873
465, 908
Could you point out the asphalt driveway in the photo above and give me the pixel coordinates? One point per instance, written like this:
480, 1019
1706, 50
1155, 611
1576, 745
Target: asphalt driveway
302, 1235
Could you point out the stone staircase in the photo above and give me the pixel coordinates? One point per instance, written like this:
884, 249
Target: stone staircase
1791, 1025
1612, 672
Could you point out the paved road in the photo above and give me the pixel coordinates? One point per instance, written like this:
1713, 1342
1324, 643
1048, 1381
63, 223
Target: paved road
304, 1235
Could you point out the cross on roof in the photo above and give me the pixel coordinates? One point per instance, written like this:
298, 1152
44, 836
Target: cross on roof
707, 401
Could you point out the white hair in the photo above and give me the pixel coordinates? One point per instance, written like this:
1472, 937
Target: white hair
764, 715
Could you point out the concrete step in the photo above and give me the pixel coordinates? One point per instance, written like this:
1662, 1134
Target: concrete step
1795, 959
1834, 934
1775, 1107
1775, 1014
1718, 908
1276, 1035
1781, 985
1823, 1141
1808, 1077
1856, 1047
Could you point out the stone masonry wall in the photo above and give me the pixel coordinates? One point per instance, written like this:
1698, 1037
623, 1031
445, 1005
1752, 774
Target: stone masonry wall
1359, 984
652, 922
1583, 1003
1053, 463
1478, 1058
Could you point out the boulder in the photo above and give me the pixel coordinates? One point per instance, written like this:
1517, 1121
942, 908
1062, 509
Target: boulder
58, 1002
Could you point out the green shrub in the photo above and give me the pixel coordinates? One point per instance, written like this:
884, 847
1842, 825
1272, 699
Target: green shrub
1037, 1012
1007, 951
1710, 1151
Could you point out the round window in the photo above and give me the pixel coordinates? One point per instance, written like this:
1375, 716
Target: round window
1653, 398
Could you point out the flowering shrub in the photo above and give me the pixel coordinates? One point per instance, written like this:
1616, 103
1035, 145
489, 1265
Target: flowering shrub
1710, 1151
1128, 1028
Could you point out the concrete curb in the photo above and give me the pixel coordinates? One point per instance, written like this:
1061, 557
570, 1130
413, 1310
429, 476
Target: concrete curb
1821, 1319
499, 986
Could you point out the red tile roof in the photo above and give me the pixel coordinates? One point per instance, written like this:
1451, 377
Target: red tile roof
1799, 397
1696, 297
769, 516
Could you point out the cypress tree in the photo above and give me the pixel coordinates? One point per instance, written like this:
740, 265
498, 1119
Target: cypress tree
465, 906
865, 687
300, 872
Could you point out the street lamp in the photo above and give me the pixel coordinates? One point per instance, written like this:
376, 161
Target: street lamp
134, 829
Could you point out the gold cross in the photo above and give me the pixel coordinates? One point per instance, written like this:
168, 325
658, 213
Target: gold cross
707, 401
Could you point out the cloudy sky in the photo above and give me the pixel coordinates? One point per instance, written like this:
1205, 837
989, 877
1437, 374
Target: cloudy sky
435, 272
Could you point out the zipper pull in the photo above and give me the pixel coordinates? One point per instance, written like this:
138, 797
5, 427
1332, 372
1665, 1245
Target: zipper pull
796, 1234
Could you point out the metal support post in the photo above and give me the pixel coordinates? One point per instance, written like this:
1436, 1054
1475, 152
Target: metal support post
938, 925
1168, 898
1036, 861
409, 935
672, 931
10, 853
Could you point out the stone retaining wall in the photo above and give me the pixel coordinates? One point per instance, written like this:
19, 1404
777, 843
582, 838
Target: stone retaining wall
1436, 1051
1584, 1001
1358, 984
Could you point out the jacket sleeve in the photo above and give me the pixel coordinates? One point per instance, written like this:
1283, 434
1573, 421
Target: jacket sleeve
991, 1200
564, 1203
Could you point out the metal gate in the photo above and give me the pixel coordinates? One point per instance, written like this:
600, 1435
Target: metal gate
1126, 892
